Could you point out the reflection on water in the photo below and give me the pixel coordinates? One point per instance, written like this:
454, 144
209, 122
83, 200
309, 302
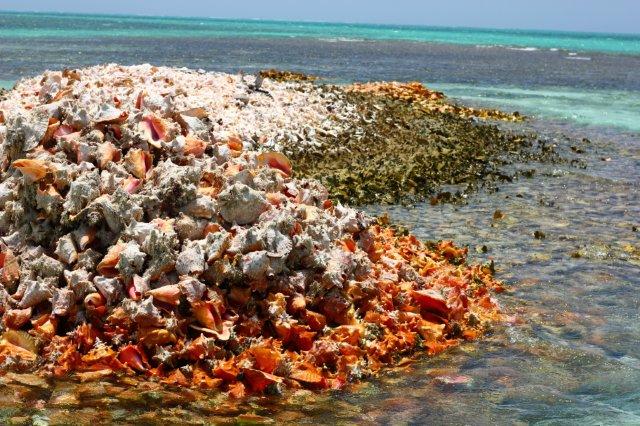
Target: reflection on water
573, 356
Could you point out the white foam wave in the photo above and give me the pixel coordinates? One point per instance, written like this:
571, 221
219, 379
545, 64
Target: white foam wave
578, 58
524, 49
343, 39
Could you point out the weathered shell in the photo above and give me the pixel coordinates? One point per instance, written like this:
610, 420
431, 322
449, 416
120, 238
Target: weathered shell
63, 300
110, 288
216, 244
108, 114
79, 281
192, 289
143, 312
191, 121
189, 228
191, 260
258, 265
36, 291
242, 205
31, 126
66, 250
131, 259
51, 85
202, 207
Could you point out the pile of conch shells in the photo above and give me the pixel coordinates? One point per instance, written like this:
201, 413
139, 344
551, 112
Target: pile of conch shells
429, 100
146, 230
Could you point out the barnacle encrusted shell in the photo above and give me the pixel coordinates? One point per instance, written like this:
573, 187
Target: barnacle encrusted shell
131, 260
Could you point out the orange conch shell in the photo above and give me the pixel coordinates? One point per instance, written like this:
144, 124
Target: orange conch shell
16, 318
194, 146
431, 301
132, 357
259, 380
138, 162
168, 294
265, 359
107, 267
107, 152
33, 169
275, 160
307, 373
207, 315
235, 143
10, 267
52, 128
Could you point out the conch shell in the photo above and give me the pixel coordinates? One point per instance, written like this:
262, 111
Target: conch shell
108, 114
33, 169
275, 160
138, 162
154, 130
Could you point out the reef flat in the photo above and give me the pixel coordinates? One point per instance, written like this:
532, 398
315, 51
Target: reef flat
153, 228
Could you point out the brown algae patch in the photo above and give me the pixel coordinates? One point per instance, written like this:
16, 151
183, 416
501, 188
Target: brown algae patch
280, 75
399, 150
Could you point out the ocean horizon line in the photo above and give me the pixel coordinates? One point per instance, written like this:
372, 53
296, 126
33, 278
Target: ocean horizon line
537, 31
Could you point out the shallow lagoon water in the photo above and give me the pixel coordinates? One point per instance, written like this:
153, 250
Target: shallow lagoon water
572, 357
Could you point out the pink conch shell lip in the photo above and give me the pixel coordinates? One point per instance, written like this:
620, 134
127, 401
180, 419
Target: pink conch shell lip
131, 184
154, 130
131, 356
63, 130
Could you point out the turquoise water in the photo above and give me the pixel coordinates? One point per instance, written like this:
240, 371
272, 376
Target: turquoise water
605, 108
585, 79
28, 25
